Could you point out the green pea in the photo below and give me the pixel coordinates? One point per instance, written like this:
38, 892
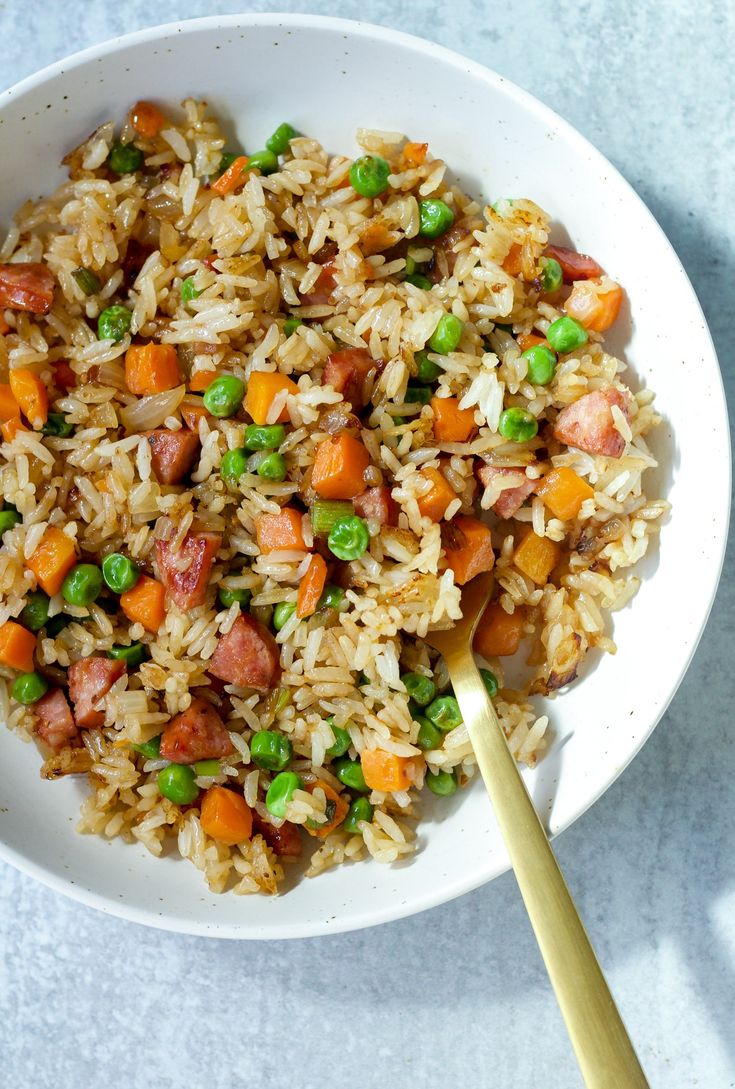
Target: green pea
290, 325
552, 276
422, 690
417, 395
541, 364
369, 175
150, 749
566, 335
444, 712
264, 438
360, 810
82, 585
271, 750
429, 735
447, 335
124, 158
177, 782
234, 463
350, 773
342, 740
281, 791
427, 371
188, 291
282, 613
419, 280
435, 217
490, 681
228, 158
207, 768
399, 421
86, 281
35, 611
224, 395
133, 655
331, 598
228, 597
517, 425
57, 624
264, 161
119, 572
28, 688
8, 520
57, 426
281, 138
442, 783
273, 467
349, 538
114, 323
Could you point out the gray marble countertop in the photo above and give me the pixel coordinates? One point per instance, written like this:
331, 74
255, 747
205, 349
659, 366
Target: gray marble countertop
87, 999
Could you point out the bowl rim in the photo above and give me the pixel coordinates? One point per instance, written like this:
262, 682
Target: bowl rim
433, 897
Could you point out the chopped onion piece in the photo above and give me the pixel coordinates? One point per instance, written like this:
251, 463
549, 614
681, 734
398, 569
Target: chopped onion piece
149, 412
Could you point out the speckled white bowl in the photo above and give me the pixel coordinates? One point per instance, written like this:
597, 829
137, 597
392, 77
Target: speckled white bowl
328, 77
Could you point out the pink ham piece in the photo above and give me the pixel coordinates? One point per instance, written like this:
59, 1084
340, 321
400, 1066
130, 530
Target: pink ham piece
347, 373
54, 721
285, 840
588, 424
512, 499
378, 505
247, 656
196, 734
574, 266
90, 679
26, 286
173, 453
188, 587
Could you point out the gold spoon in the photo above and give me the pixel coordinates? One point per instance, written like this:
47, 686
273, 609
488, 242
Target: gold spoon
599, 1038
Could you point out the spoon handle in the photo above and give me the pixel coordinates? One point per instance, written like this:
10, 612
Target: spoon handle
603, 1048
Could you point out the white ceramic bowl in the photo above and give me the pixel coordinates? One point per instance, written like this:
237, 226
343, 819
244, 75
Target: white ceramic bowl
328, 77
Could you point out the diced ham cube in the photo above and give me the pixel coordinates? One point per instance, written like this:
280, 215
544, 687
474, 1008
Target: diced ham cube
54, 721
347, 373
90, 679
588, 423
285, 841
247, 656
510, 499
321, 292
574, 266
26, 286
188, 585
378, 505
196, 734
172, 453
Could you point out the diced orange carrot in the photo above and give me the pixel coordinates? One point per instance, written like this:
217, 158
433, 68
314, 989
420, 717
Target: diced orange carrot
413, 155
201, 380
9, 407
498, 633
375, 238
192, 411
10, 428
339, 467
311, 586
537, 557
226, 816
564, 492
31, 395
386, 771
17, 646
433, 504
512, 263
151, 368
530, 340
64, 376
232, 178
473, 552
145, 603
452, 423
282, 532
147, 119
595, 303
263, 387
339, 810
52, 560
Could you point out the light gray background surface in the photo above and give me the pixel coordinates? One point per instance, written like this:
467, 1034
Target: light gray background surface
456, 996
